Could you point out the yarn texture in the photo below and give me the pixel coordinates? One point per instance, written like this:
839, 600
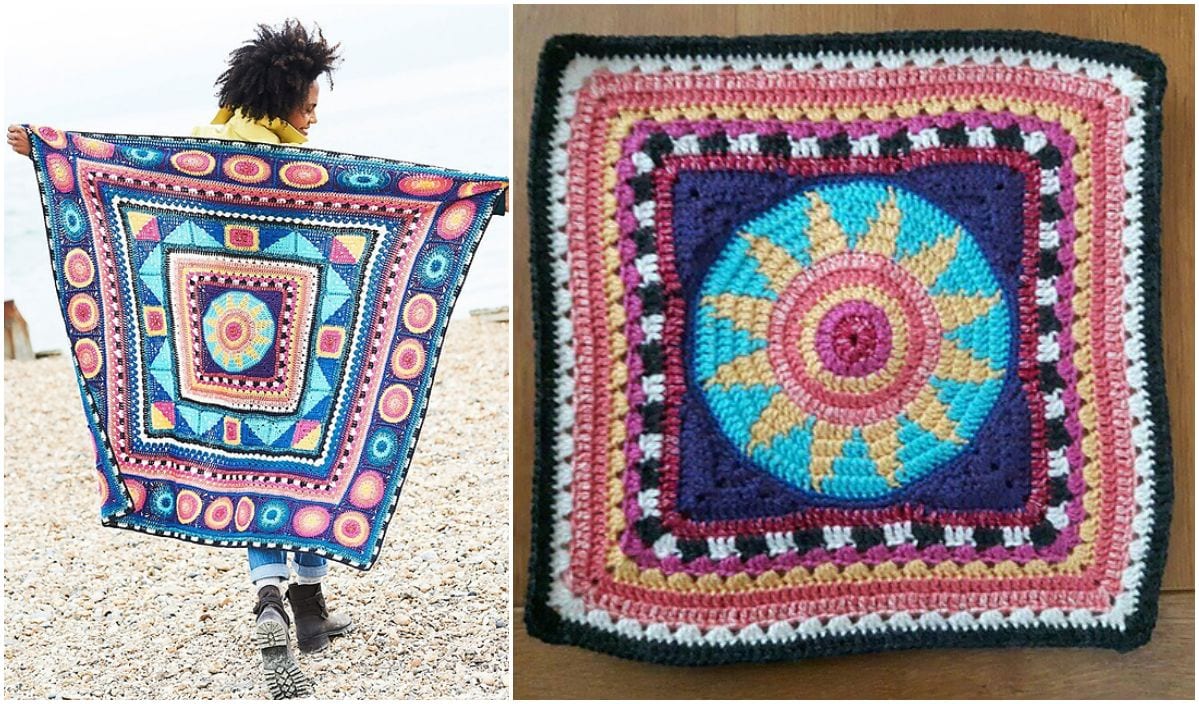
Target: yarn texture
255, 328
846, 343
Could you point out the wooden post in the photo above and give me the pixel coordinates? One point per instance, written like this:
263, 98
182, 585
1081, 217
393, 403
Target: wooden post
16, 333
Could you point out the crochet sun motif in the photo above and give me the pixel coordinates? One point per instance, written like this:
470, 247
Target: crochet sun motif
846, 351
846, 343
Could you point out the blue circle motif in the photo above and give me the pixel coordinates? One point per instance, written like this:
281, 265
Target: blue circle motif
767, 365
142, 156
162, 501
363, 178
273, 515
72, 220
382, 447
434, 265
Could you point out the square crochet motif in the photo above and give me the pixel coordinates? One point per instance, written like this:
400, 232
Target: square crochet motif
846, 343
255, 328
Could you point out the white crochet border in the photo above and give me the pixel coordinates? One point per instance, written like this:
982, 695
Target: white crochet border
572, 609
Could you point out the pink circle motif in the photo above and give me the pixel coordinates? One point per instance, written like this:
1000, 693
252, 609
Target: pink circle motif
194, 162
87, 353
408, 359
920, 324
351, 529
420, 312
854, 339
83, 312
233, 330
78, 268
395, 403
367, 490
310, 521
59, 169
52, 137
244, 515
456, 220
425, 184
187, 506
304, 174
93, 147
246, 169
137, 493
219, 513
103, 487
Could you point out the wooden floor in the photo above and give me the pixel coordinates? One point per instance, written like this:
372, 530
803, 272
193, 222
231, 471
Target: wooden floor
1165, 667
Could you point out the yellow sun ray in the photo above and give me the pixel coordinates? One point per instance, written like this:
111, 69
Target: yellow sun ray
824, 233
774, 262
778, 418
747, 370
747, 313
882, 439
828, 442
930, 413
955, 310
957, 364
929, 263
883, 230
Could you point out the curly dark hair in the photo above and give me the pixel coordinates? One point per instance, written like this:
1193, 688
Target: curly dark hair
269, 75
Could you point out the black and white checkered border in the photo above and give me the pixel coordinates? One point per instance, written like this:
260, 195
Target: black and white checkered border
649, 528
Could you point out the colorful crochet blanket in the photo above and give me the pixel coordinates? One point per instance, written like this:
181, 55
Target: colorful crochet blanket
846, 343
254, 327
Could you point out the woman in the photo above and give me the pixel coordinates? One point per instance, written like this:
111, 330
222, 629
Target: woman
269, 93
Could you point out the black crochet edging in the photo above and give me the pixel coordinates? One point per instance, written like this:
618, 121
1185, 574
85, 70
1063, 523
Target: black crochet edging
544, 623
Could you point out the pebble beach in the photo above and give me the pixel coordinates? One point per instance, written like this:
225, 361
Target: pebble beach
93, 612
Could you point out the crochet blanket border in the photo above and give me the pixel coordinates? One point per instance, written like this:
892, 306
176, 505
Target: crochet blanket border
543, 622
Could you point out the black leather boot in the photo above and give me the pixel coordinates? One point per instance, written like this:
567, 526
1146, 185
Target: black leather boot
272, 635
314, 623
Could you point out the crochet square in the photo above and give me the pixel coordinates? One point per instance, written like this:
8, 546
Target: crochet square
255, 342
846, 343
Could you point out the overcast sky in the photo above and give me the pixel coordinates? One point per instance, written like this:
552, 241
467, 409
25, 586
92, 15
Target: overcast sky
427, 84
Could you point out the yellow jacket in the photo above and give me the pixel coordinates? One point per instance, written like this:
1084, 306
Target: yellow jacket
230, 124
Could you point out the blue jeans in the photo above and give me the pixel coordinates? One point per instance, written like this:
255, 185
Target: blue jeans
273, 563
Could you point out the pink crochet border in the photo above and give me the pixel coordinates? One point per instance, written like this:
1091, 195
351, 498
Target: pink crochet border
1095, 585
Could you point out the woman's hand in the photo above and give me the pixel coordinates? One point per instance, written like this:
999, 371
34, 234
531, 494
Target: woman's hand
18, 139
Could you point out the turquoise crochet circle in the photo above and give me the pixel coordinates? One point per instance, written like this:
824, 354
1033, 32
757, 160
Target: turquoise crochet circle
363, 178
434, 266
142, 156
72, 220
162, 501
851, 340
273, 515
382, 447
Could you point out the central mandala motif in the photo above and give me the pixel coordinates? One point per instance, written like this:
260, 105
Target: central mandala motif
851, 340
238, 330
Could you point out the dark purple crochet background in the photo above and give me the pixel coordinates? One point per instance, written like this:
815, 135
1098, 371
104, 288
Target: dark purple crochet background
716, 481
265, 368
